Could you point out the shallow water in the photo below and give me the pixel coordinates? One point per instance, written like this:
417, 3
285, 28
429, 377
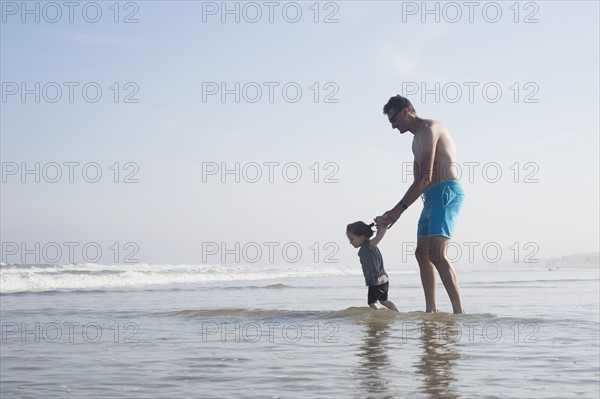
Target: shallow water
528, 334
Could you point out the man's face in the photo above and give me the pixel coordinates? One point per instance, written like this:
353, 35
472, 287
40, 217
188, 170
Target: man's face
398, 119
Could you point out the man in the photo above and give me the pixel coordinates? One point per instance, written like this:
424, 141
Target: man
436, 178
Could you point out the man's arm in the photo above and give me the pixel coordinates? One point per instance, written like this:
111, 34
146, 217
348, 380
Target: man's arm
423, 175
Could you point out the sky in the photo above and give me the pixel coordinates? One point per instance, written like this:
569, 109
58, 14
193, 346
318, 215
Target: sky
252, 133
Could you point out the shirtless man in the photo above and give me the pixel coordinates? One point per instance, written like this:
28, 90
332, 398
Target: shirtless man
436, 178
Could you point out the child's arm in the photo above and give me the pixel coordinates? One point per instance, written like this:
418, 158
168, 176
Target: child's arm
381, 230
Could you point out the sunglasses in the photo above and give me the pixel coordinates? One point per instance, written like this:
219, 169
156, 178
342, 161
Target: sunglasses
393, 117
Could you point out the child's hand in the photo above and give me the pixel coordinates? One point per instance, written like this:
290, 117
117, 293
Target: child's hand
380, 222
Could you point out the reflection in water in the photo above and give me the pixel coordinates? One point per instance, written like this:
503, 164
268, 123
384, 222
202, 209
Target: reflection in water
373, 359
439, 358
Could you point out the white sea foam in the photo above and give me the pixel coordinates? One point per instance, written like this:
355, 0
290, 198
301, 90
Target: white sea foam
23, 278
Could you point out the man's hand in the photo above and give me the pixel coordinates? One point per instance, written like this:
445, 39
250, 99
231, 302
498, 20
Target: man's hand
388, 219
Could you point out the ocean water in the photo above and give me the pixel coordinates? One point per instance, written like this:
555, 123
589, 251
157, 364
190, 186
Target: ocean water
90, 331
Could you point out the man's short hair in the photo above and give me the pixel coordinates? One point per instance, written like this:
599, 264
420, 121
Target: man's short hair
398, 102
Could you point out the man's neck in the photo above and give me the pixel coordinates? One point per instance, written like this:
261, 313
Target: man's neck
415, 125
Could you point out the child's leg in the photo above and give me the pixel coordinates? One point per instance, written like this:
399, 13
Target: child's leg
389, 305
373, 296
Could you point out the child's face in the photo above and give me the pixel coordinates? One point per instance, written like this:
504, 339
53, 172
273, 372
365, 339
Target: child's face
356, 241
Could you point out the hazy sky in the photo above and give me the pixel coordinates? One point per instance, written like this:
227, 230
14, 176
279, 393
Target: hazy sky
176, 100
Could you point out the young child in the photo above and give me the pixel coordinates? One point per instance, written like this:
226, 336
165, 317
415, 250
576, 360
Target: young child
371, 260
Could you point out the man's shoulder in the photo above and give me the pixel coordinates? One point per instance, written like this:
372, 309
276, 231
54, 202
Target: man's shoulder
433, 126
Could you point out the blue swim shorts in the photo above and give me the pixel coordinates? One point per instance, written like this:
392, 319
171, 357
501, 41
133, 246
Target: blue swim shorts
442, 203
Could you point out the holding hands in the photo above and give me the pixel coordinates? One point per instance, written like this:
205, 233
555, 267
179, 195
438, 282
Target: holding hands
388, 219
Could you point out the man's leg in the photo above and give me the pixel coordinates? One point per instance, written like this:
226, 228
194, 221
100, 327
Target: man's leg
436, 249
427, 270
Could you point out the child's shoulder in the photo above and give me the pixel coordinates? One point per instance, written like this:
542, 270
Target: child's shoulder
366, 248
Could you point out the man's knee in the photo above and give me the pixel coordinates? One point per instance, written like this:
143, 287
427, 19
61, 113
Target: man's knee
436, 253
421, 255
429, 254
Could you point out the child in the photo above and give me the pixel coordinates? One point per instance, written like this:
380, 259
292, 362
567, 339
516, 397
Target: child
372, 263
